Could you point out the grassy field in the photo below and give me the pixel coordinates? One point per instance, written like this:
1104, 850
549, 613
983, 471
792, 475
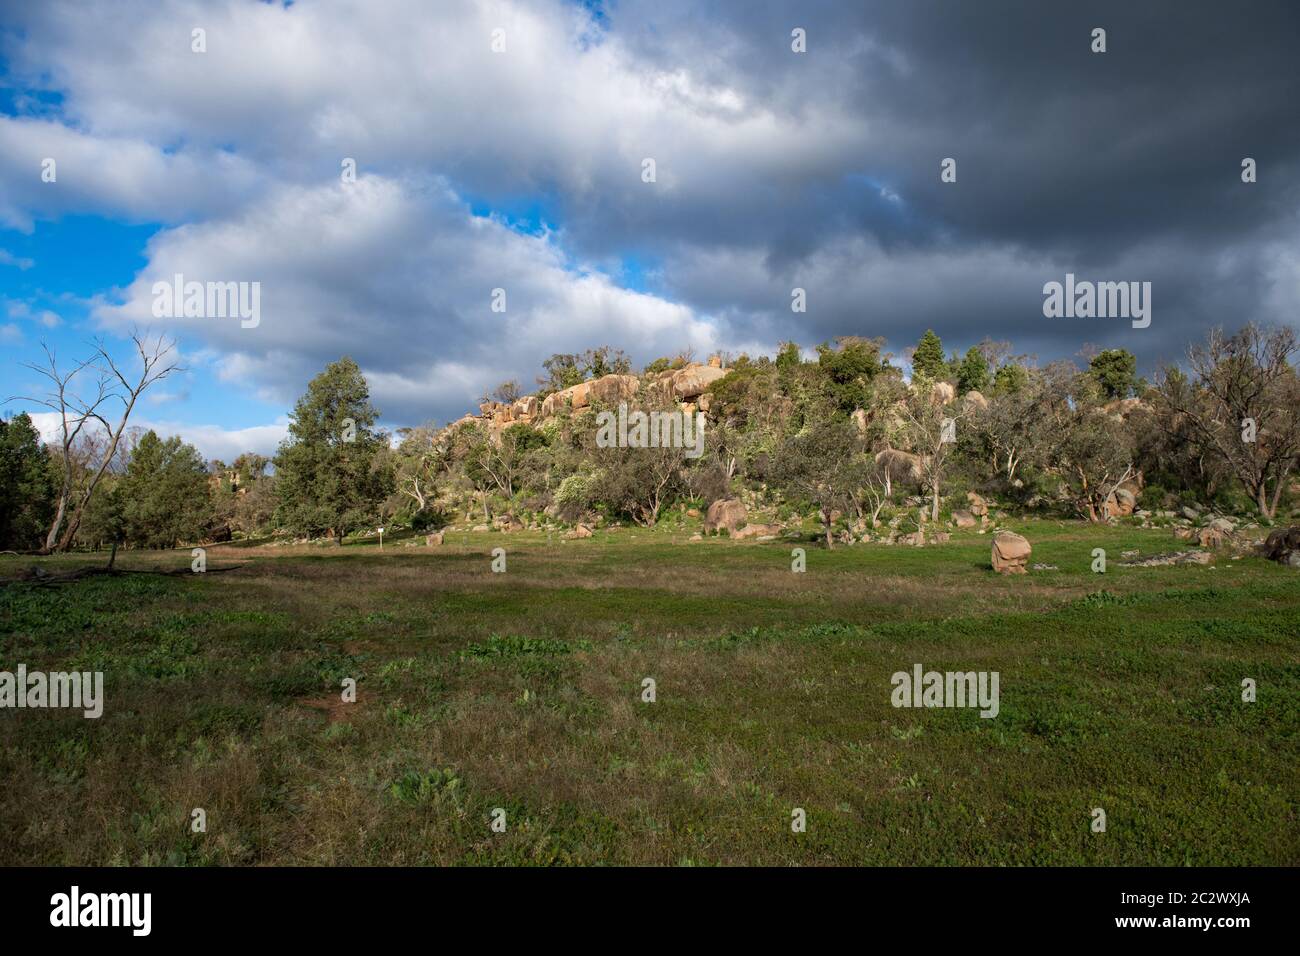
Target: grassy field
522, 691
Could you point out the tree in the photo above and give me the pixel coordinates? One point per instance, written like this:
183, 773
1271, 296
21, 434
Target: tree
1115, 371
927, 358
27, 489
1009, 379
973, 375
508, 392
164, 498
1092, 451
638, 482
824, 464
328, 482
562, 371
929, 430
496, 461
1010, 430
1243, 406
849, 370
76, 412
605, 360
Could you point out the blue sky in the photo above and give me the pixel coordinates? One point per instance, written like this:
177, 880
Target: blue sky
520, 167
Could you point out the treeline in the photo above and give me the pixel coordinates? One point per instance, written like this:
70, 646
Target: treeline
841, 436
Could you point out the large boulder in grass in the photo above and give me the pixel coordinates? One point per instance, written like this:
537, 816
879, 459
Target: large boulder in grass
726, 513
1283, 546
978, 506
1010, 553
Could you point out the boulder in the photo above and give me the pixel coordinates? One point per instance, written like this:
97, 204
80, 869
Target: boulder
974, 400
963, 519
1121, 503
1010, 553
581, 531
575, 397
526, 408
726, 513
978, 506
901, 465
1283, 546
1223, 524
507, 523
916, 539
1211, 538
433, 540
943, 393
479, 528
612, 389
695, 380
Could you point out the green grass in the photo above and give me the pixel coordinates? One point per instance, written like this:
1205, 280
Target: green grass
522, 691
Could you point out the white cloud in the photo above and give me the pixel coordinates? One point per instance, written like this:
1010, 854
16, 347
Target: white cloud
398, 275
212, 441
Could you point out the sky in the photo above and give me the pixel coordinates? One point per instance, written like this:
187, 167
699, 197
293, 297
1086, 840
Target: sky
521, 168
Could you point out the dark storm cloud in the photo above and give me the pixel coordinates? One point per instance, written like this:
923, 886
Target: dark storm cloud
1122, 165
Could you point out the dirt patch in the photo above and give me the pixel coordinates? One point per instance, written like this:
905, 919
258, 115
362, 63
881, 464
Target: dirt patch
335, 709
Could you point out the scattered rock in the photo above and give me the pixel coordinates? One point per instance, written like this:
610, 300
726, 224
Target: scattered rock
1010, 553
581, 531
479, 528
1045, 567
978, 506
940, 537
433, 540
1175, 557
